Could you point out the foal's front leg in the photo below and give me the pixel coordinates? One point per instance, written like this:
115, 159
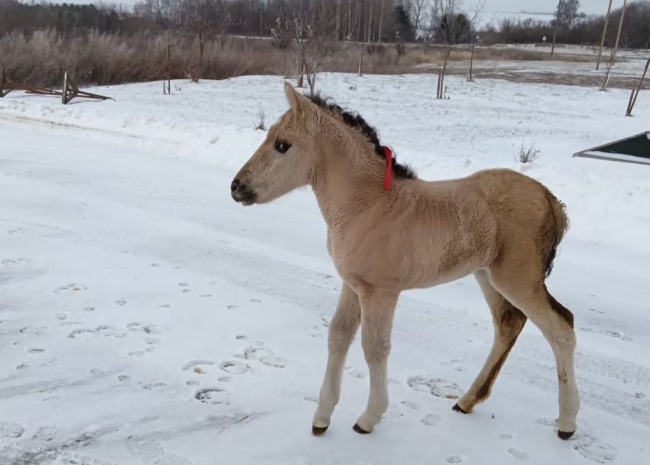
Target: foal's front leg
342, 329
377, 311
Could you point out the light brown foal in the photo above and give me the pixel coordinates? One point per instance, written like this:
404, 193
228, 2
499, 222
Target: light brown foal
499, 225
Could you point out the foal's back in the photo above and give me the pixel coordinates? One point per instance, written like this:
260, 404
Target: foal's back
456, 227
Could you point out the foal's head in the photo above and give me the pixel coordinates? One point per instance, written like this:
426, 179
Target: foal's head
286, 158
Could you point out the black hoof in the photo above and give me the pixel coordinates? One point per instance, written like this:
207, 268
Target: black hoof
318, 431
456, 408
360, 430
564, 435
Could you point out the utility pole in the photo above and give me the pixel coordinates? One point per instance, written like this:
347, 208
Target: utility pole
618, 35
602, 40
557, 21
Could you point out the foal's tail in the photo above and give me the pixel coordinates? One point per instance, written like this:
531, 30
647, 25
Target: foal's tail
556, 226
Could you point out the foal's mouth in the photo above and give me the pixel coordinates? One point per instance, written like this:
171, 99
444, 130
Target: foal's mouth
246, 198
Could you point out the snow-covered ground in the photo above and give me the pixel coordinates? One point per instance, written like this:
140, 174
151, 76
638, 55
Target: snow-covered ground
145, 318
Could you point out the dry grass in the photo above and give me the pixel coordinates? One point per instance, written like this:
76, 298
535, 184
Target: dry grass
42, 57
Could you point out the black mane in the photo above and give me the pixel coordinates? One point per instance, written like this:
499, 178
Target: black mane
355, 120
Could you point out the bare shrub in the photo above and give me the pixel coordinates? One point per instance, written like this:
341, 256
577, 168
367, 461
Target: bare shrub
526, 154
261, 123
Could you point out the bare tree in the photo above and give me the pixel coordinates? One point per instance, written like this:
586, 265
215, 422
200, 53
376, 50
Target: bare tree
308, 35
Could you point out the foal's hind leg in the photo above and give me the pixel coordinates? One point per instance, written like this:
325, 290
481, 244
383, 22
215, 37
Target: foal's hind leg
508, 323
529, 293
342, 329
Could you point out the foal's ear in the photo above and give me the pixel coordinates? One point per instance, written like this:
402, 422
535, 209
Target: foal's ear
304, 110
296, 101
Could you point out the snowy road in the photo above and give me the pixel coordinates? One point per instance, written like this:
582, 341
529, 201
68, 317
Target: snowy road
145, 318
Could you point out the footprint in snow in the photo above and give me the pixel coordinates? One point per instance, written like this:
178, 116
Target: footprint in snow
235, 368
263, 355
436, 386
199, 366
70, 288
45, 433
355, 373
431, 420
151, 452
233, 307
148, 328
411, 405
518, 454
11, 430
455, 458
120, 303
256, 301
594, 450
215, 395
32, 330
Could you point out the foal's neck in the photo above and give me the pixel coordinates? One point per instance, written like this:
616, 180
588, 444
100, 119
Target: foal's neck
348, 179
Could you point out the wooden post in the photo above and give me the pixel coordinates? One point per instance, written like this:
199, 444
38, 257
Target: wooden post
603, 88
602, 40
618, 34
471, 63
169, 69
635, 92
359, 37
4, 83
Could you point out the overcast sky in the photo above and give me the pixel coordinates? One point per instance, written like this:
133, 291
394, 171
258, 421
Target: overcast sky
542, 6
492, 6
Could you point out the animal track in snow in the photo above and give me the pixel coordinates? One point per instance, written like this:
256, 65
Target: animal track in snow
11, 430
431, 420
149, 328
411, 405
594, 450
355, 372
70, 288
214, 395
199, 366
436, 386
120, 303
102, 330
521, 455
455, 458
45, 433
605, 332
234, 367
151, 452
264, 355
32, 330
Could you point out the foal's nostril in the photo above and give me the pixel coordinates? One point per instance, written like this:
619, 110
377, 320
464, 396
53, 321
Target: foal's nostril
235, 185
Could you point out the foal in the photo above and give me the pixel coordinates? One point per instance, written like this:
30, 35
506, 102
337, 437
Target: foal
499, 225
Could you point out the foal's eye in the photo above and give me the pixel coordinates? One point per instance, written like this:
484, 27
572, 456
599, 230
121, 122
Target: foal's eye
282, 147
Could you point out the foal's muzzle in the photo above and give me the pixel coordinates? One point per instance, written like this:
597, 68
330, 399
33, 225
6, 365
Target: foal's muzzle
242, 193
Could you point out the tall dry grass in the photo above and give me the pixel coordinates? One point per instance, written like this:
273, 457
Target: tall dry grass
93, 58
42, 57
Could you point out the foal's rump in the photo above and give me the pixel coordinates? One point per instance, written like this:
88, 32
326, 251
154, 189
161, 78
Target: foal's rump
530, 220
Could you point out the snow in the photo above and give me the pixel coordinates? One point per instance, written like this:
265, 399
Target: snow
145, 318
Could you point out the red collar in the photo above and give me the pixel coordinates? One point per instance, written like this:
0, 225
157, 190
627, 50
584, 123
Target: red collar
388, 153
